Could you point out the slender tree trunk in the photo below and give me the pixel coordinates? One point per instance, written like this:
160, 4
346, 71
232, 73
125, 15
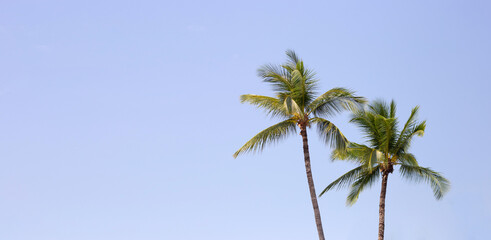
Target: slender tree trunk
313, 196
381, 211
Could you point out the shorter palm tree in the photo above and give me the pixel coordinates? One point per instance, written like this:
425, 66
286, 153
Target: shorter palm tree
387, 149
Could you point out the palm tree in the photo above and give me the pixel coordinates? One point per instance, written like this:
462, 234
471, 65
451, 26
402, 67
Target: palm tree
296, 106
387, 148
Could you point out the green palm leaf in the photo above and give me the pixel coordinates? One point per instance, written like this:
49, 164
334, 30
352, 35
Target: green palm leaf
268, 135
330, 133
335, 101
407, 159
272, 105
277, 76
365, 179
345, 180
405, 139
439, 184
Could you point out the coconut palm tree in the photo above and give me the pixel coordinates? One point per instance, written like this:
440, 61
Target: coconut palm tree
387, 148
296, 105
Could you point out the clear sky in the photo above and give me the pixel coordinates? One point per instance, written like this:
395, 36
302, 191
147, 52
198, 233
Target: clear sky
119, 118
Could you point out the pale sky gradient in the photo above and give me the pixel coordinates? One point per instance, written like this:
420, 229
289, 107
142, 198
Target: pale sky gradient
119, 118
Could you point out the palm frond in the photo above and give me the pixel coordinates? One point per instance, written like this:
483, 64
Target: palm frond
345, 180
306, 84
381, 132
348, 154
393, 108
408, 127
405, 139
277, 76
364, 180
407, 159
379, 107
411, 120
360, 154
335, 101
269, 135
366, 121
273, 106
390, 132
330, 133
292, 57
439, 184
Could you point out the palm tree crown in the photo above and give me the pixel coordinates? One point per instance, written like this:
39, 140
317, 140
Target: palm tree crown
387, 147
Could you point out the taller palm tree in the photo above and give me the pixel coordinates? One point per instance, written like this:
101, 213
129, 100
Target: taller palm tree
388, 148
296, 105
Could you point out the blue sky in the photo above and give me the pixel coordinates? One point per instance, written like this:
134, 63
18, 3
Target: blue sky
119, 119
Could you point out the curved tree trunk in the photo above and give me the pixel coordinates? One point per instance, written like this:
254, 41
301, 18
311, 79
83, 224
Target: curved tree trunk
313, 196
381, 211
